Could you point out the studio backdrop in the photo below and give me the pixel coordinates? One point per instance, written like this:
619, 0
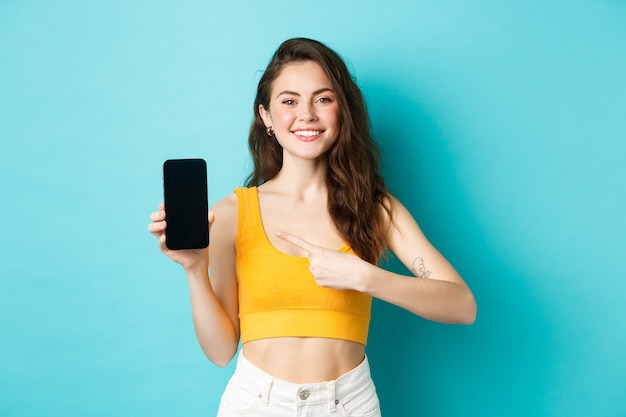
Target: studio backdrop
503, 130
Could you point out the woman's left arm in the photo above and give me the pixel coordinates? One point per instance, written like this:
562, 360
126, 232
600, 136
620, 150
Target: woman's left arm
436, 291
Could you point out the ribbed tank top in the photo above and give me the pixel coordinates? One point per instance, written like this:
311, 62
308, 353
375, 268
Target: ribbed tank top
278, 296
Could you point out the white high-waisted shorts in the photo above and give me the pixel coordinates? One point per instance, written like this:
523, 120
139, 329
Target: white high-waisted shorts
253, 392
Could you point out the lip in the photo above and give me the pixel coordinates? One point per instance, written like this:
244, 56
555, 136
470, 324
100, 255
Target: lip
309, 134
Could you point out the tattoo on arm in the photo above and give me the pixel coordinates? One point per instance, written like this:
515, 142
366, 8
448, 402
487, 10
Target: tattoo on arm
419, 269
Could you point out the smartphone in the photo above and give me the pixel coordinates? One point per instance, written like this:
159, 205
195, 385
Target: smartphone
186, 204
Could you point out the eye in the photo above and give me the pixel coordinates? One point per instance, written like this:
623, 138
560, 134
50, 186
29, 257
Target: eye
289, 102
325, 100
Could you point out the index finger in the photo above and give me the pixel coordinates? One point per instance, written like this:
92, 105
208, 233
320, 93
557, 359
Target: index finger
297, 241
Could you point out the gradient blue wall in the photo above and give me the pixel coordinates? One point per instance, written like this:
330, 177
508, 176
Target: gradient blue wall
504, 131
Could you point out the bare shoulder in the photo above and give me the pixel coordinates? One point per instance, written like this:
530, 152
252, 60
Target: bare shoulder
226, 206
395, 204
401, 218
403, 228
226, 217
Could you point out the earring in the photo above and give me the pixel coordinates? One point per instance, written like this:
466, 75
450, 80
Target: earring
269, 131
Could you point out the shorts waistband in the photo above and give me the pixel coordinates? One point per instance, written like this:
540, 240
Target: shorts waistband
266, 386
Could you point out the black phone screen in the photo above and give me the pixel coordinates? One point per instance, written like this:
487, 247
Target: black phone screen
186, 204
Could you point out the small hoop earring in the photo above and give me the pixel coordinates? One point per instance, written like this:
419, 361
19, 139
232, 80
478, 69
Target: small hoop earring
269, 131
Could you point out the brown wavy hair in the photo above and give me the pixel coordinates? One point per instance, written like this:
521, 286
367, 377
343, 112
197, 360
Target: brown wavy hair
358, 199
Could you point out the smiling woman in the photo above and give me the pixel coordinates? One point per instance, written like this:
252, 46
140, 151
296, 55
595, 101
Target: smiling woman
304, 109
294, 255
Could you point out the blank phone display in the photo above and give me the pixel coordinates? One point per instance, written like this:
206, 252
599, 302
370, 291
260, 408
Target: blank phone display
186, 204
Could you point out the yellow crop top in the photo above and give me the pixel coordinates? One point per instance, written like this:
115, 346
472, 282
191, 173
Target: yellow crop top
278, 296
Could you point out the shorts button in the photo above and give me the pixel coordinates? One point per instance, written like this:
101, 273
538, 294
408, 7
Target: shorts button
304, 394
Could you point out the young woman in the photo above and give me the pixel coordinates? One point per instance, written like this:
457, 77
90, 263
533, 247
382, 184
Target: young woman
294, 256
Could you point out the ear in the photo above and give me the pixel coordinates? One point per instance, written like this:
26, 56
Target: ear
265, 116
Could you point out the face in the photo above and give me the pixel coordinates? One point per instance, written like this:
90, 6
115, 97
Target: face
303, 111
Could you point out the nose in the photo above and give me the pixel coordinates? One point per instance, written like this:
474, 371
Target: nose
307, 113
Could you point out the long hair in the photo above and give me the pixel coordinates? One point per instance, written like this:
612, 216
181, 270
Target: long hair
358, 200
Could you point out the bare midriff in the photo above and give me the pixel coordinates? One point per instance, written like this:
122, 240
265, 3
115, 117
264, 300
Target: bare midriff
303, 360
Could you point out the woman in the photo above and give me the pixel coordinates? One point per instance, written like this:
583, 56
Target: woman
294, 255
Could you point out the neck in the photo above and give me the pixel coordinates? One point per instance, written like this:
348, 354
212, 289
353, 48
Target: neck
302, 177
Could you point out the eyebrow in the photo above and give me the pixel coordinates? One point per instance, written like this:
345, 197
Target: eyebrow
293, 93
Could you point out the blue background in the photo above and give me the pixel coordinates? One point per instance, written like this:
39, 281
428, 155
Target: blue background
503, 128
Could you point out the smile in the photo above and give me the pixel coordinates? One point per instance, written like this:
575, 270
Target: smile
307, 135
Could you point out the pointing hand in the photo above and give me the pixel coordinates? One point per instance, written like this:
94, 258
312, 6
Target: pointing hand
331, 268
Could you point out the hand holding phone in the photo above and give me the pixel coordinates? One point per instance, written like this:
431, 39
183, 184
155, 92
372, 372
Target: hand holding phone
186, 204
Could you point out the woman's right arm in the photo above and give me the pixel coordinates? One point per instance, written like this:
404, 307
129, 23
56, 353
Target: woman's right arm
214, 301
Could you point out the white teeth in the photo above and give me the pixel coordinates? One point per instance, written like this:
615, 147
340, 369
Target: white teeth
307, 132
